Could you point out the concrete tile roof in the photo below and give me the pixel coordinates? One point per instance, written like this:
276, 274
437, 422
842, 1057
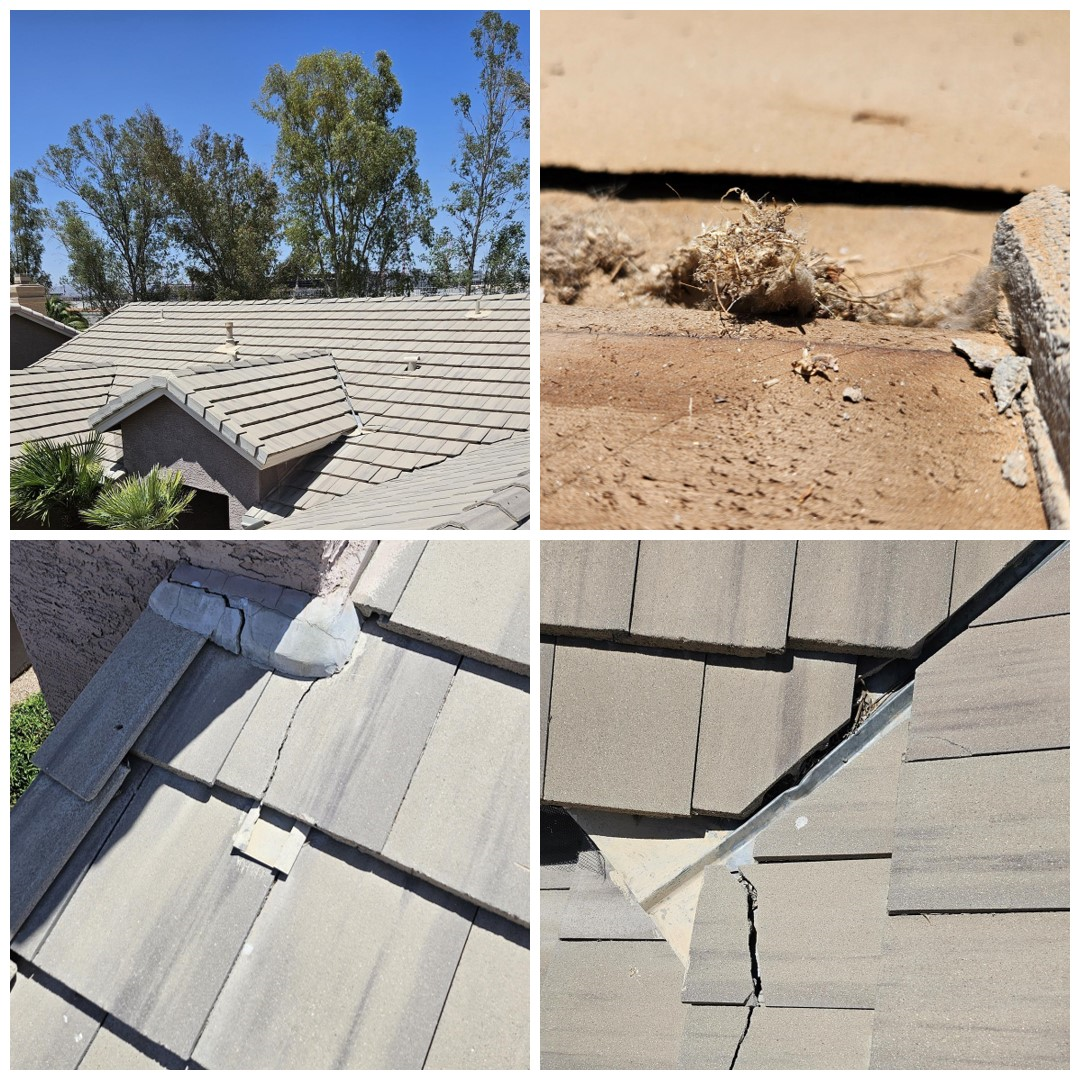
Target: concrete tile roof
20, 312
408, 833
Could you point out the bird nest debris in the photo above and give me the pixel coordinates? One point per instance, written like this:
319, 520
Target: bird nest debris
574, 246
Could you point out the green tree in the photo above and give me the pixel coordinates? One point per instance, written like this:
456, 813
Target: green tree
114, 172
506, 264
355, 199
225, 215
28, 221
94, 269
58, 309
52, 483
492, 167
154, 501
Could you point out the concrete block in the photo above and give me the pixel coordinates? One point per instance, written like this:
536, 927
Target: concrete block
101, 726
198, 723
977, 563
724, 595
1043, 592
819, 927
974, 992
47, 824
872, 597
586, 586
807, 1039
611, 1005
316, 993
547, 664
157, 922
485, 1022
994, 689
760, 718
851, 813
623, 728
356, 739
720, 970
386, 575
110, 1051
48, 1032
1031, 247
598, 909
711, 1035
465, 820
471, 596
982, 834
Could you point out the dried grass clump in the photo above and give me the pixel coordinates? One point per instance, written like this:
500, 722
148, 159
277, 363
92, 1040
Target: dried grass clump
574, 246
975, 309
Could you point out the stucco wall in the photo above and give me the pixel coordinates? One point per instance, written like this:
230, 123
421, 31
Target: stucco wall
30, 342
75, 599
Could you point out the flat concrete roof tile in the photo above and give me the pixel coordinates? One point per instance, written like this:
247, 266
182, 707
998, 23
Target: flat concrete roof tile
48, 1032
719, 972
1043, 592
552, 906
547, 663
110, 1051
807, 1039
728, 595
599, 910
386, 575
586, 586
977, 563
711, 1036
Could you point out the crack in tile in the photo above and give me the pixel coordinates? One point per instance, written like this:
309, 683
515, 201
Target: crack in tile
742, 1037
751, 908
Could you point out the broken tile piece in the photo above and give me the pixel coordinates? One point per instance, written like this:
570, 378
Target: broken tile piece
315, 993
480, 848
977, 563
101, 726
599, 910
611, 1005
720, 971
1045, 591
271, 839
711, 1035
852, 813
485, 1021
623, 728
974, 991
994, 689
48, 1032
807, 1039
760, 718
723, 595
982, 834
586, 586
875, 597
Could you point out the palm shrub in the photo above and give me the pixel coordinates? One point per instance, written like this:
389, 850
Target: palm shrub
58, 309
52, 483
153, 501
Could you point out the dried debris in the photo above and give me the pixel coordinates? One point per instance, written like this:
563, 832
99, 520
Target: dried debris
1014, 468
853, 393
809, 364
574, 246
1008, 373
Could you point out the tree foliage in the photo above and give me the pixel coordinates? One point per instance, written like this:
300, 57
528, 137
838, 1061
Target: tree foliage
355, 200
95, 271
492, 167
52, 483
113, 172
58, 309
28, 221
223, 215
154, 501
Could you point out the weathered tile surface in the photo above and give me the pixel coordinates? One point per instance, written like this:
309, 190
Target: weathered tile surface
465, 820
168, 905
46, 1031
103, 723
974, 992
851, 813
760, 717
586, 586
110, 1051
982, 834
599, 910
819, 928
1043, 592
611, 1005
977, 563
552, 906
881, 597
196, 726
47, 824
720, 971
994, 689
711, 1035
807, 1039
731, 595
360, 984
357, 736
471, 596
485, 1022
547, 663
623, 728
386, 575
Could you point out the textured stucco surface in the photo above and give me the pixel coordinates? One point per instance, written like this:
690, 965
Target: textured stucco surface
75, 599
30, 342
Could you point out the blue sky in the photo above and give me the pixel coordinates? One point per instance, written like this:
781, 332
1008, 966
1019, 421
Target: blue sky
207, 67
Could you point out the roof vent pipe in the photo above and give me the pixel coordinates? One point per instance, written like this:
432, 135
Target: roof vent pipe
413, 364
229, 339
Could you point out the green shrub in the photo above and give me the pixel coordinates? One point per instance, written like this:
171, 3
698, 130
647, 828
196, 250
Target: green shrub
30, 726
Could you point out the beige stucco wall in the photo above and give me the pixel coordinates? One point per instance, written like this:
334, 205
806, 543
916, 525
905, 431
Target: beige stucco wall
75, 599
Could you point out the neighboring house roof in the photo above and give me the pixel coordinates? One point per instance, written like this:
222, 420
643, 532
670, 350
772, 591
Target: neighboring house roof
20, 312
429, 377
900, 899
484, 488
239, 869
269, 408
